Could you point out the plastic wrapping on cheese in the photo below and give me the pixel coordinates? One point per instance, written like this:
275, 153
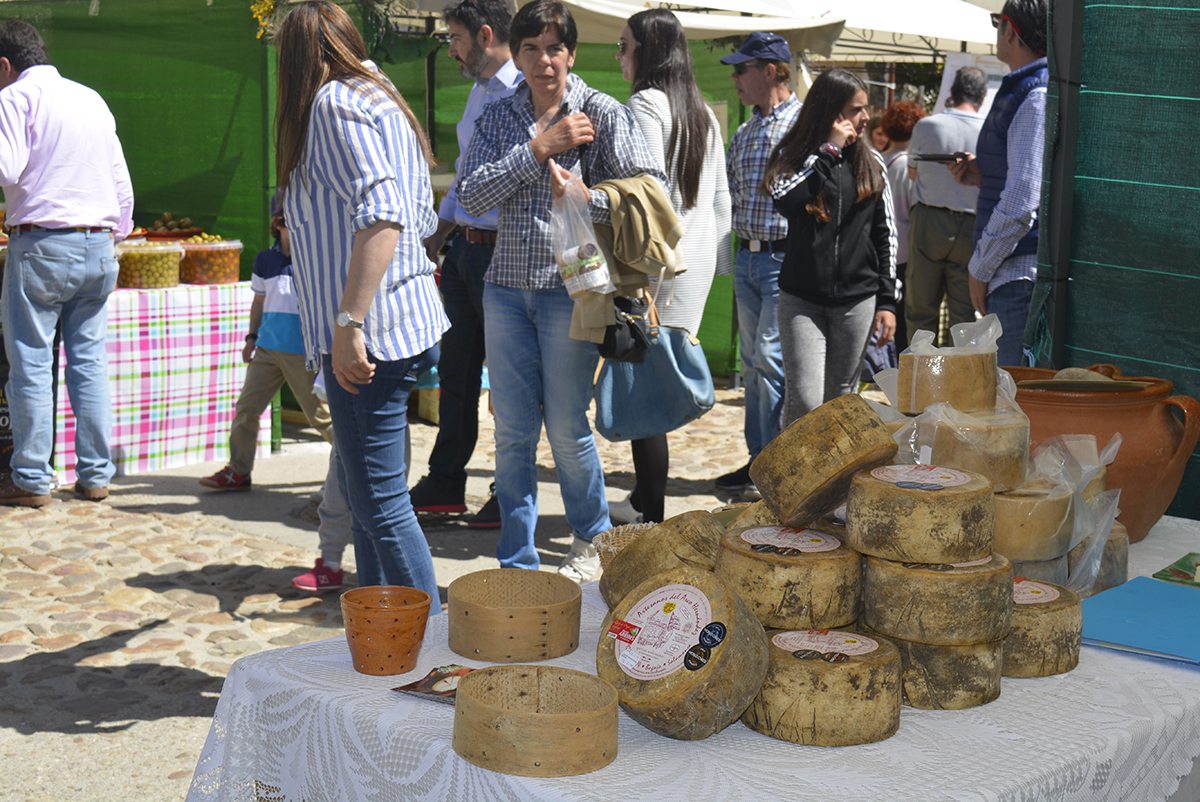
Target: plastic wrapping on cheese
689, 540
1055, 570
937, 677
948, 605
805, 472
1114, 562
1047, 629
828, 688
920, 513
963, 376
992, 443
1034, 523
685, 654
891, 418
792, 578
1094, 522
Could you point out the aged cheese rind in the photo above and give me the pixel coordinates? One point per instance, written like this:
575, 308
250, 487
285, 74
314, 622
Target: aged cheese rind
1034, 523
947, 677
953, 524
1045, 637
805, 471
963, 378
757, 514
1055, 570
1114, 564
806, 590
813, 700
991, 443
938, 604
689, 540
691, 704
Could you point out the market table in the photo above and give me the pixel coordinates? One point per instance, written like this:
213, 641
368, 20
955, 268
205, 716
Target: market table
300, 724
175, 371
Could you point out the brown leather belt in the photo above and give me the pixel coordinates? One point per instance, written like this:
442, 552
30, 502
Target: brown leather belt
479, 236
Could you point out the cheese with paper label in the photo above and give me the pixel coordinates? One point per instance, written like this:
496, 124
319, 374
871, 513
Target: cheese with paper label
947, 605
1034, 522
920, 513
685, 654
792, 578
1047, 630
963, 378
828, 688
805, 472
689, 540
948, 677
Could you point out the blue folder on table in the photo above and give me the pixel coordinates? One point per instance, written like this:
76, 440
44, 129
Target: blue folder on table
1146, 616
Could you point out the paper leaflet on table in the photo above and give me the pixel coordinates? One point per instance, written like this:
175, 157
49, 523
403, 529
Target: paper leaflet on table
1185, 570
439, 685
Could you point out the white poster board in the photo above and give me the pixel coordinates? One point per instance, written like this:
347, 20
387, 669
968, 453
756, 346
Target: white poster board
994, 67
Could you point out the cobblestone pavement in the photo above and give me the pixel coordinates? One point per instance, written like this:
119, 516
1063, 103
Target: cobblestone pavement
117, 626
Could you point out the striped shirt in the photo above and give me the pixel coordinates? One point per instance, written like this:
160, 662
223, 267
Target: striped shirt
1017, 210
362, 165
754, 214
501, 171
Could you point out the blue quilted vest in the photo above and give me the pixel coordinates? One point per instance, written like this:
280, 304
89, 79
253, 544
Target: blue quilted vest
992, 148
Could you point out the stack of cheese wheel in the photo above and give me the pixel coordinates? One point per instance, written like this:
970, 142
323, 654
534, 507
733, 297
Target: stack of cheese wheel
1047, 629
931, 583
1114, 562
685, 654
689, 540
1033, 529
792, 578
964, 378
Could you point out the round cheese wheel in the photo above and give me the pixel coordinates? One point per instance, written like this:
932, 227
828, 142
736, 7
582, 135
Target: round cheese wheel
948, 605
828, 688
964, 378
991, 443
689, 540
728, 514
1114, 563
1047, 628
948, 677
921, 513
1055, 570
685, 654
792, 578
805, 472
757, 514
1034, 523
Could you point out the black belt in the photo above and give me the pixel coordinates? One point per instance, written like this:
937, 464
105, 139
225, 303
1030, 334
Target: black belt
764, 245
25, 228
479, 236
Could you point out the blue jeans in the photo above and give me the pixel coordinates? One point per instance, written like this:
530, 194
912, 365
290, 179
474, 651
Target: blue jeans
1010, 302
460, 365
756, 288
53, 276
539, 375
389, 546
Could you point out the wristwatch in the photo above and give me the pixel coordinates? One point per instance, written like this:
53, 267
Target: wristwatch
832, 149
252, 336
345, 321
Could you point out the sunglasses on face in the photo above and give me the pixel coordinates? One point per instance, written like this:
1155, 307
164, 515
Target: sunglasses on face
738, 69
997, 18
622, 46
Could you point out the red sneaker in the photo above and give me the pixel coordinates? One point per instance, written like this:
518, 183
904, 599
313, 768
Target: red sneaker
227, 479
319, 579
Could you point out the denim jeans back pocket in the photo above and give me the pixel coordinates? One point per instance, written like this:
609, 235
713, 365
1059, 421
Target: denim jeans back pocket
46, 276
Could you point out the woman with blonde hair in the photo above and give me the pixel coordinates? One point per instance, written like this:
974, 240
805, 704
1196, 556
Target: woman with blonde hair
353, 164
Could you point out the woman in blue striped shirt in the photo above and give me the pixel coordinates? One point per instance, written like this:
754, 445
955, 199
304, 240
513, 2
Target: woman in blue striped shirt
354, 164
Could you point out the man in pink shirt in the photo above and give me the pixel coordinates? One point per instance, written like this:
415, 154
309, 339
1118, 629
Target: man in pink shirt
69, 199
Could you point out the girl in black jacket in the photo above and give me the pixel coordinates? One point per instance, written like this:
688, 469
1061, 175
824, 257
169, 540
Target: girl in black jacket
838, 280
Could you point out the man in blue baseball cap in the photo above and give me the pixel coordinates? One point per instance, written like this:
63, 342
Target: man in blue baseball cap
761, 72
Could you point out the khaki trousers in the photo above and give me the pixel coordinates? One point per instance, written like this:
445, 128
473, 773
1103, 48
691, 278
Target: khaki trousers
939, 248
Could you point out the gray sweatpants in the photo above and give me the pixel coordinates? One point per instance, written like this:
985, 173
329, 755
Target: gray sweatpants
823, 349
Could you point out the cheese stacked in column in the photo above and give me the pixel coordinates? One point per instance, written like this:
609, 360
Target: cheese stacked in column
828, 688
947, 677
993, 443
805, 472
792, 578
1047, 629
685, 654
964, 378
1114, 564
1034, 523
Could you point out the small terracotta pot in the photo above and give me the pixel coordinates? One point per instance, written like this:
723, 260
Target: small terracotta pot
1155, 445
385, 625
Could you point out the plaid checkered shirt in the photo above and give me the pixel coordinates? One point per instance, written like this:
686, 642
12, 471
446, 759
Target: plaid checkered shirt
754, 214
501, 172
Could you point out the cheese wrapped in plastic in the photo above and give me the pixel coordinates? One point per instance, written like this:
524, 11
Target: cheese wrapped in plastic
963, 375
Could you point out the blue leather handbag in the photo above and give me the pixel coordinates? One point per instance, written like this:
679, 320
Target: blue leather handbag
635, 400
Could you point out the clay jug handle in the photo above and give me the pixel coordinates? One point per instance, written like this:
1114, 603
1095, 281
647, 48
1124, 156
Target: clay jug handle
1191, 430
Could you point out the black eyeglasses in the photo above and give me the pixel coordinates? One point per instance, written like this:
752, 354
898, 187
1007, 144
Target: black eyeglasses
738, 69
622, 46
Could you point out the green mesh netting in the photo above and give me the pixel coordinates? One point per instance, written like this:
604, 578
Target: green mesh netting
1134, 265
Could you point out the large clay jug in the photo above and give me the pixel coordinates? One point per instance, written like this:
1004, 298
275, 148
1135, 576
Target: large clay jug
1155, 445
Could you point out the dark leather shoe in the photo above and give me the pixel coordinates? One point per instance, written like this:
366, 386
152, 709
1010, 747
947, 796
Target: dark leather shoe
488, 516
91, 493
427, 496
735, 480
13, 496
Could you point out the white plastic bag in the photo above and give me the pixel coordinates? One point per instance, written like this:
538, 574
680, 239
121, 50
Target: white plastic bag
573, 241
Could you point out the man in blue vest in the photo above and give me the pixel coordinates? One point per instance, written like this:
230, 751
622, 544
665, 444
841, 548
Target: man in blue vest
1007, 168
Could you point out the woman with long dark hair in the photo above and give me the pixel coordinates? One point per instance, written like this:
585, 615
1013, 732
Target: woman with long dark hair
353, 164
838, 280
685, 139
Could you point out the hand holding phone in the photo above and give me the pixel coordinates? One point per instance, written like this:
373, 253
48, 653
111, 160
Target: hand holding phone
938, 157
842, 133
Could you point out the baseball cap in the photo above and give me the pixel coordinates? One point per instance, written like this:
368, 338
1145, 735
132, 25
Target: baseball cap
760, 45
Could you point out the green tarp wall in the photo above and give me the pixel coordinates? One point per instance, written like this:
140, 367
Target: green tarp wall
1129, 290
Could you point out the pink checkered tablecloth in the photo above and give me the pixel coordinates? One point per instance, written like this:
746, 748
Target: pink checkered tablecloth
175, 370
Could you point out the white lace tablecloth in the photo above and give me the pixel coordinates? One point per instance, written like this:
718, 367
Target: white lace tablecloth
301, 724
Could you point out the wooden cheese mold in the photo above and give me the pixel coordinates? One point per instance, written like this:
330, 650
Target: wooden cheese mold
507, 616
535, 721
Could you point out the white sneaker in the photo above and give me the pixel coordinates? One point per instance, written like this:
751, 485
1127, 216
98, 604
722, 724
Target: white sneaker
582, 563
622, 512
